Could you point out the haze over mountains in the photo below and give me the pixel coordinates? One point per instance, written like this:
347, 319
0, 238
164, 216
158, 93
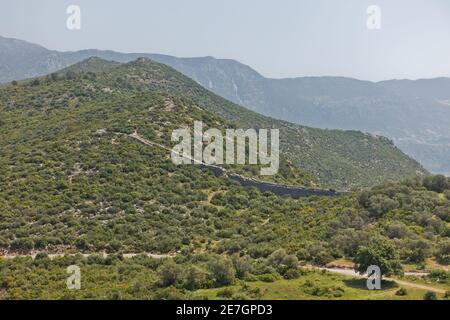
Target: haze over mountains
415, 114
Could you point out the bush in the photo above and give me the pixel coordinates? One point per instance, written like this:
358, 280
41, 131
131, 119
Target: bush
267, 278
24, 244
436, 183
290, 262
439, 276
430, 295
380, 204
292, 274
195, 278
114, 295
442, 253
170, 274
401, 292
225, 293
319, 254
277, 257
330, 291
222, 270
242, 266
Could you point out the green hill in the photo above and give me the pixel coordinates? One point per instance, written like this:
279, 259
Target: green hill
414, 114
72, 176
72, 180
339, 159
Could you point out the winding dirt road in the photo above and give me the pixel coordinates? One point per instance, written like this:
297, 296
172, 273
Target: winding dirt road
353, 273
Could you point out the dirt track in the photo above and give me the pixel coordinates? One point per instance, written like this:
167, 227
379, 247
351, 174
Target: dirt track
353, 273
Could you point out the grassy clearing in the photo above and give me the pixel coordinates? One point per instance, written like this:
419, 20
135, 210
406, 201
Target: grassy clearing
313, 286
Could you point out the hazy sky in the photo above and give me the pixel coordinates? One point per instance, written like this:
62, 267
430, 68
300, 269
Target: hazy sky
279, 38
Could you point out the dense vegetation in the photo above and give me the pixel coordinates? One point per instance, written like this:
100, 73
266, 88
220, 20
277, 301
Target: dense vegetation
203, 276
72, 180
339, 159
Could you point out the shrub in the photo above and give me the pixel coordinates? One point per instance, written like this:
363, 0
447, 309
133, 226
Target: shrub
319, 291
319, 254
442, 253
436, 183
276, 258
195, 278
114, 295
222, 271
242, 266
290, 262
225, 293
439, 276
430, 295
25, 244
380, 204
292, 274
267, 278
170, 274
401, 292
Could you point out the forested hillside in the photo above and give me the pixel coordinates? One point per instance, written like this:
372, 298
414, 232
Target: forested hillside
339, 159
73, 180
414, 114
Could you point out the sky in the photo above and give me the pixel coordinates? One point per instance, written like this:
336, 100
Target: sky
278, 38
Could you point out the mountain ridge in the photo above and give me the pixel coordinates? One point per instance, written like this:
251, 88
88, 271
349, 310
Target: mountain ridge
338, 159
419, 126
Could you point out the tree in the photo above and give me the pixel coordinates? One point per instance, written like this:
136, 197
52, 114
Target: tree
276, 258
170, 274
380, 252
290, 262
436, 183
243, 266
419, 250
222, 270
195, 278
380, 204
443, 252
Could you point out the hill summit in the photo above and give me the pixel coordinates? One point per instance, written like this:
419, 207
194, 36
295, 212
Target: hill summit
334, 158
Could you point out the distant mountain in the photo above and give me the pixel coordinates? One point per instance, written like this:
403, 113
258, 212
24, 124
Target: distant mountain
437, 88
415, 114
